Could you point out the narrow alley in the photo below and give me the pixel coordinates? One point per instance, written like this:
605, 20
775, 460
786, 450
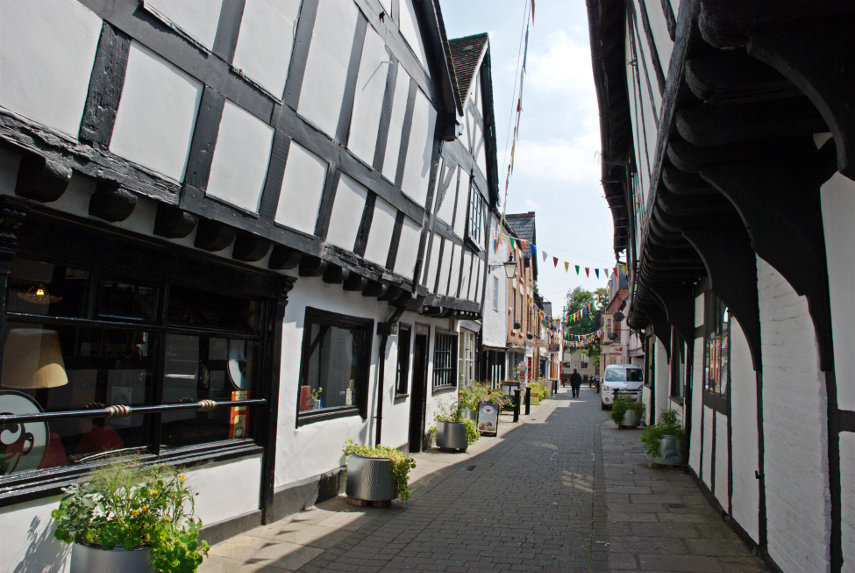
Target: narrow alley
563, 490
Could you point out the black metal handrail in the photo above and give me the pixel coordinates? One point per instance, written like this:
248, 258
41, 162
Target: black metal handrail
123, 411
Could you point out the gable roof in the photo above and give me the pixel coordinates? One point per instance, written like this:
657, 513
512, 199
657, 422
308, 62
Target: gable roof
466, 55
522, 226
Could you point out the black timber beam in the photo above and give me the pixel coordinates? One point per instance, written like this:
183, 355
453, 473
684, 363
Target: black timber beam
249, 247
213, 236
312, 266
725, 78
41, 179
283, 258
335, 274
111, 202
173, 223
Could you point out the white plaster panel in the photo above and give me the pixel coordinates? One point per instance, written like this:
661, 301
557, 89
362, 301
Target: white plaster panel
743, 420
462, 203
28, 542
346, 213
420, 150
838, 207
639, 141
218, 497
454, 281
647, 71
480, 148
795, 428
707, 453
409, 29
444, 265
663, 379
326, 66
675, 7
445, 210
239, 165
847, 498
433, 265
661, 37
465, 274
408, 248
479, 270
156, 115
699, 310
396, 124
302, 189
721, 469
197, 18
46, 53
321, 442
368, 98
380, 234
696, 405
265, 40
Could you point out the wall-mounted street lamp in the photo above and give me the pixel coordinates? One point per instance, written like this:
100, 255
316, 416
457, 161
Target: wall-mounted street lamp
510, 267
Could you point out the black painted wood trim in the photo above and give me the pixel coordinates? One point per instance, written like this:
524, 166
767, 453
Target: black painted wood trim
365, 225
105, 87
760, 473
729, 412
396, 240
846, 420
327, 199
641, 64
435, 288
651, 44
637, 102
669, 18
385, 115
275, 175
343, 129
204, 139
835, 485
300, 53
228, 29
405, 133
429, 215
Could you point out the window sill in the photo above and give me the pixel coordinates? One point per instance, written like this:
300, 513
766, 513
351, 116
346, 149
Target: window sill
676, 399
312, 416
401, 397
443, 389
716, 401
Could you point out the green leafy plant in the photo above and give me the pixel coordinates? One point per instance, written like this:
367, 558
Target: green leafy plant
129, 505
668, 425
453, 412
401, 463
316, 393
469, 397
622, 404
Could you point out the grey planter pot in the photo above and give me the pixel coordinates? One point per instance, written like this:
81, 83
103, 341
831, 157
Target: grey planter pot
630, 419
670, 452
85, 559
451, 436
370, 479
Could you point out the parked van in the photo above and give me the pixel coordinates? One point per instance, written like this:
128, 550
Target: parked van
627, 379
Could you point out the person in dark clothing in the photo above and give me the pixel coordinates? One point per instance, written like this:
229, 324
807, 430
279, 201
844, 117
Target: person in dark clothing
575, 383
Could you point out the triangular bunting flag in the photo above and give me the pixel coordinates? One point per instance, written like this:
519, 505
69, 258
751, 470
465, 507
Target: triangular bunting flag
597, 272
577, 269
511, 239
524, 246
543, 254
587, 272
566, 266
607, 272
555, 262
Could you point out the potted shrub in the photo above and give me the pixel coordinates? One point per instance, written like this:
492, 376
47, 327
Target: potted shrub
377, 473
664, 440
453, 431
470, 397
129, 517
316, 398
627, 412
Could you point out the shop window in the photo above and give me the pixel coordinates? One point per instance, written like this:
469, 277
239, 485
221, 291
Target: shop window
444, 360
334, 366
466, 365
716, 352
402, 372
76, 339
475, 226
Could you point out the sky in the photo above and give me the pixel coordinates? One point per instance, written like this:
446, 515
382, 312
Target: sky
556, 161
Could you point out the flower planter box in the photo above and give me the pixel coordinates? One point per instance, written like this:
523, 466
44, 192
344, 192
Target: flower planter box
630, 420
670, 450
451, 436
86, 558
370, 479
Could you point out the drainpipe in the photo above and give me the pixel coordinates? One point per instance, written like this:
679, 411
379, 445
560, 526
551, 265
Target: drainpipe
384, 329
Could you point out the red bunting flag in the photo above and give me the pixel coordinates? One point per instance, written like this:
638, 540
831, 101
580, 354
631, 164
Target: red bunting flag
524, 246
614, 270
587, 272
555, 262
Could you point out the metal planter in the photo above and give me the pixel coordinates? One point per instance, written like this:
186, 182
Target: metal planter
451, 436
370, 479
85, 558
670, 452
630, 419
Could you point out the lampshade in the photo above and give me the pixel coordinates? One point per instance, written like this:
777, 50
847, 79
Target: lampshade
510, 267
32, 358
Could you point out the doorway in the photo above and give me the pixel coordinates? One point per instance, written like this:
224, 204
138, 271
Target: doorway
418, 394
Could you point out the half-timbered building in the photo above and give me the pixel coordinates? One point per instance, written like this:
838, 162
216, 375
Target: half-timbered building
234, 235
728, 166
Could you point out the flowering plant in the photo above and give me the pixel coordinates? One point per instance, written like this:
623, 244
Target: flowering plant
401, 463
126, 504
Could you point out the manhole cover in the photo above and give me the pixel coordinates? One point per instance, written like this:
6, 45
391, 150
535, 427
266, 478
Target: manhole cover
468, 468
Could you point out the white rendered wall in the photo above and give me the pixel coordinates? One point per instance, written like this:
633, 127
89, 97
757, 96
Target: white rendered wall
226, 489
697, 404
156, 115
28, 541
326, 65
479, 270
239, 165
454, 281
419, 150
346, 213
264, 44
663, 379
462, 203
196, 18
368, 98
46, 53
639, 142
408, 248
794, 432
838, 209
445, 208
410, 31
707, 453
465, 274
380, 234
396, 124
648, 76
743, 421
302, 188
847, 498
721, 461
433, 265
659, 27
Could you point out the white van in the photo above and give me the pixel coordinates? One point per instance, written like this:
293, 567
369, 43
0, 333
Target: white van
627, 379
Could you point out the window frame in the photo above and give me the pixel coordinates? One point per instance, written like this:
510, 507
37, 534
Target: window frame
402, 383
328, 318
444, 377
717, 325
475, 217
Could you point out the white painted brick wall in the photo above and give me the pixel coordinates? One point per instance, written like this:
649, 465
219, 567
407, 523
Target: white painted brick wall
743, 408
847, 478
721, 461
706, 455
794, 410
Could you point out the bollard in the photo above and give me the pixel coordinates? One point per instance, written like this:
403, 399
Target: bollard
527, 401
555, 387
516, 405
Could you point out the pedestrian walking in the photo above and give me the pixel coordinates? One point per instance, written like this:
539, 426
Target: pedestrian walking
575, 382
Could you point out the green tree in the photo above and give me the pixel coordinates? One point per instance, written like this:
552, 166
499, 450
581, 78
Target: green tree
578, 299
